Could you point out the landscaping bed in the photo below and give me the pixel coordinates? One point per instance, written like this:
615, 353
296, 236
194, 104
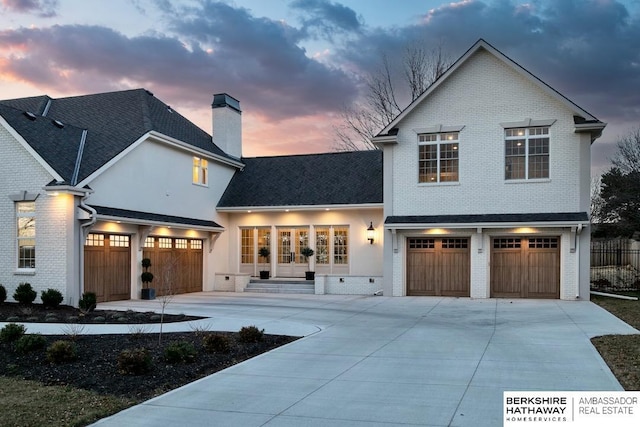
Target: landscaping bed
98, 381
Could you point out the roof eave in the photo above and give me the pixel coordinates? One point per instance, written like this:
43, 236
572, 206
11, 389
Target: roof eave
138, 221
287, 208
510, 224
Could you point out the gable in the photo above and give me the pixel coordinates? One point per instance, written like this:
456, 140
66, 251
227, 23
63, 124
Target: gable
346, 178
584, 121
113, 122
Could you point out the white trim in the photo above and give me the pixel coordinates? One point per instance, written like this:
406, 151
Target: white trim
476, 225
301, 208
439, 129
30, 149
528, 123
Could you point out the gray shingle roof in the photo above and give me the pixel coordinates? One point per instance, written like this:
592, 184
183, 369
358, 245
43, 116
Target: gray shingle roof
489, 218
302, 180
153, 217
114, 121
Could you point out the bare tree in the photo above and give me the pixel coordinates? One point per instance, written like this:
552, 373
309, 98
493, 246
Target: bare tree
384, 89
627, 158
596, 200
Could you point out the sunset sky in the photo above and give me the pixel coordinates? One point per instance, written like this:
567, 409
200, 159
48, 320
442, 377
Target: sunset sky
294, 64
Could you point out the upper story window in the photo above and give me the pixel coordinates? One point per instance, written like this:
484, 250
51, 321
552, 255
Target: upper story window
26, 234
527, 153
200, 171
438, 157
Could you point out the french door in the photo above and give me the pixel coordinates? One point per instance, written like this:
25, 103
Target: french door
291, 241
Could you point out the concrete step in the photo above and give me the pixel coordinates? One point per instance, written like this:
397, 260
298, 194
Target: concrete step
281, 287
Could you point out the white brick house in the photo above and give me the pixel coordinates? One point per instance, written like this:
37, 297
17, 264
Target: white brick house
487, 186
480, 189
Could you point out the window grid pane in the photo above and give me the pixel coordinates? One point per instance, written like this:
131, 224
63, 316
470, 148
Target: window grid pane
527, 153
322, 246
196, 244
149, 242
181, 244
26, 234
246, 245
421, 243
438, 161
340, 245
455, 243
118, 241
95, 240
164, 243
507, 243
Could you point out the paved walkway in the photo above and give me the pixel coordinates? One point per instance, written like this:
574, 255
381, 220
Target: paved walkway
382, 361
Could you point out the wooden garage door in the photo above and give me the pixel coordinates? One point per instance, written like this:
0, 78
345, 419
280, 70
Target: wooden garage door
438, 266
107, 267
176, 264
525, 267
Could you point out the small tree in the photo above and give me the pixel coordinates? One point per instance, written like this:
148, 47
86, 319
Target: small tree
146, 276
24, 294
307, 253
264, 253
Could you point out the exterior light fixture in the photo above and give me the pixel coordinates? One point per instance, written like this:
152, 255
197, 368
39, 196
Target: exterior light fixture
371, 233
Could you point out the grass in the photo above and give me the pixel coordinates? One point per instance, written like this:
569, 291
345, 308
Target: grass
621, 352
29, 403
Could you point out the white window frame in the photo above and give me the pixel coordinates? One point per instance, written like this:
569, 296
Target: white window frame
439, 139
527, 134
200, 171
21, 215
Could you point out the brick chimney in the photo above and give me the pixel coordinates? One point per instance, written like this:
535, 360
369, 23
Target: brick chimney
227, 124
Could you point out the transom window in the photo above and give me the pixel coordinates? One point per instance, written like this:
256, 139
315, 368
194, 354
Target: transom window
527, 153
200, 171
26, 234
438, 157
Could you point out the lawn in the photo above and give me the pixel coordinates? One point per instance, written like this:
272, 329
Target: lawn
621, 352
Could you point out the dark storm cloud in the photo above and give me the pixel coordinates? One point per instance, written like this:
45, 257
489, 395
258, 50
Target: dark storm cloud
44, 8
326, 18
217, 48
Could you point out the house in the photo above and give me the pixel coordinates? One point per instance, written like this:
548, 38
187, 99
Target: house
480, 189
486, 186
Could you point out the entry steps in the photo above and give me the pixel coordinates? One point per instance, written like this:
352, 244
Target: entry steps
281, 286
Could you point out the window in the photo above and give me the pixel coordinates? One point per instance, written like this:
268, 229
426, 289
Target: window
246, 245
95, 240
181, 243
149, 242
527, 153
164, 243
340, 245
196, 244
116, 241
322, 245
438, 157
26, 220
200, 171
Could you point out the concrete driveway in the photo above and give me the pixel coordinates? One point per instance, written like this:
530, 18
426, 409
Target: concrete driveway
383, 361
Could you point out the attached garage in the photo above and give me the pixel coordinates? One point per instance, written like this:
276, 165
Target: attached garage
107, 266
176, 263
525, 267
438, 266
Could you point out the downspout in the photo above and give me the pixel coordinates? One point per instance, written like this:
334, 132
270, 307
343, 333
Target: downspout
578, 264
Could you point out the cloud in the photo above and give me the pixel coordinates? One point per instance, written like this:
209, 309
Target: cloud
43, 8
213, 48
326, 18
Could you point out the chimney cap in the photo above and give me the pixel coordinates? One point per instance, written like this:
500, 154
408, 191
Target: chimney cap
225, 100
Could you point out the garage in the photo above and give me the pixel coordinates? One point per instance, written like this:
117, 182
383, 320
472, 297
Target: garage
438, 266
176, 263
107, 266
525, 267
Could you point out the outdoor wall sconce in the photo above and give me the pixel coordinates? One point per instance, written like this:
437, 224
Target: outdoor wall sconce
371, 233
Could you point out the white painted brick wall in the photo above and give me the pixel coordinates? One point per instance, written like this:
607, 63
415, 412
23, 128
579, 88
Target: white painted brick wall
350, 285
481, 95
20, 172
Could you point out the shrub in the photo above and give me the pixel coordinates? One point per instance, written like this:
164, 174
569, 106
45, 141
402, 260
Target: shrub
216, 343
134, 361
24, 293
61, 351
51, 298
88, 302
12, 332
3, 294
181, 351
601, 283
28, 343
250, 334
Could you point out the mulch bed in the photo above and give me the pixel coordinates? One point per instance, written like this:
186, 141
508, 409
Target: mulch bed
96, 366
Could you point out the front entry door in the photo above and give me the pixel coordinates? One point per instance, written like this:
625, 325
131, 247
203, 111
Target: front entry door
290, 242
